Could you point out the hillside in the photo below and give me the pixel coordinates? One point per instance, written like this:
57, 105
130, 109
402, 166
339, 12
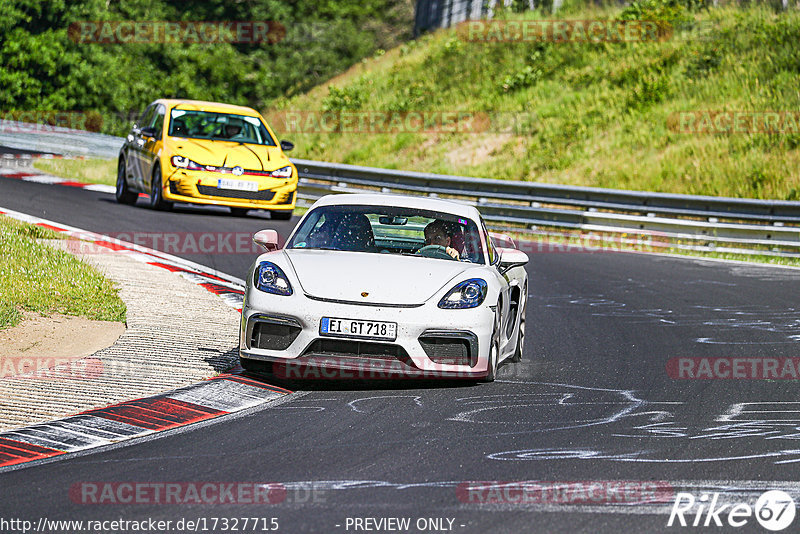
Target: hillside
599, 114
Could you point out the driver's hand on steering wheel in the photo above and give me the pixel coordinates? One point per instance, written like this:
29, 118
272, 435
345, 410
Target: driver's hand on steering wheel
453, 253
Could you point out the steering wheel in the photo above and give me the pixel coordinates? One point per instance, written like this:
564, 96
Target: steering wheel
435, 251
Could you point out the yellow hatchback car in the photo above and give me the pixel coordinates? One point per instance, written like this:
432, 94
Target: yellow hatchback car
206, 153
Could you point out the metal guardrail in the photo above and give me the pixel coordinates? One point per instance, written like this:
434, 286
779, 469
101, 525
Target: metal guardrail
58, 140
773, 225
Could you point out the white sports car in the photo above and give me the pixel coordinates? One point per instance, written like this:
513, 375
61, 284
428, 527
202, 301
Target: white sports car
384, 286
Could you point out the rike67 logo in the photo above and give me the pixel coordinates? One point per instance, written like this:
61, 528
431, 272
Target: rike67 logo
774, 510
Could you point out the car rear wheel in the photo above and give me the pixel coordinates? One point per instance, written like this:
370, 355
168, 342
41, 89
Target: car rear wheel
521, 335
494, 350
123, 193
157, 201
282, 215
239, 212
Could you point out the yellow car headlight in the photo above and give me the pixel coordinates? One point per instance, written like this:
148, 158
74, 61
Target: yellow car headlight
283, 172
185, 163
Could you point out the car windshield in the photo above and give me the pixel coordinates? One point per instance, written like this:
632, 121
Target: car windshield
390, 230
218, 127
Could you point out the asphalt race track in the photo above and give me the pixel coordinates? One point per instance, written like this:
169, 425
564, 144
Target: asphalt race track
591, 401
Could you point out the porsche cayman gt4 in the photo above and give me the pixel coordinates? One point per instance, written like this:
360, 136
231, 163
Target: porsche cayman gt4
384, 286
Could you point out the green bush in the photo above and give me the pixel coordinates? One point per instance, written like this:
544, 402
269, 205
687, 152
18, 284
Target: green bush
43, 68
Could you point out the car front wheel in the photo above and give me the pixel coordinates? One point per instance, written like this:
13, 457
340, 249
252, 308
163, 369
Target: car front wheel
157, 201
494, 349
123, 193
521, 334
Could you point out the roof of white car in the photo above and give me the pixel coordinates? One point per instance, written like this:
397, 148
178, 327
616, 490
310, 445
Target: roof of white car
374, 199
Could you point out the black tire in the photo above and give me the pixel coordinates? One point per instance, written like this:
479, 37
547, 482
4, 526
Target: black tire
517, 357
239, 212
280, 215
494, 350
157, 201
123, 193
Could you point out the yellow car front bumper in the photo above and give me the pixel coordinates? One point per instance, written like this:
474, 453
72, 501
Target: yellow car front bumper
199, 187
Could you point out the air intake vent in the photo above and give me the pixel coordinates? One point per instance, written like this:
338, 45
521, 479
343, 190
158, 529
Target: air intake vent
232, 193
361, 349
272, 336
450, 348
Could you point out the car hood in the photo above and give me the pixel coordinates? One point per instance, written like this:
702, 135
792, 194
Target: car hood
387, 279
230, 154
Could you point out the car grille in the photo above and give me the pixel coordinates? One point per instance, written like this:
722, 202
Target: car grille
265, 195
272, 336
450, 349
360, 349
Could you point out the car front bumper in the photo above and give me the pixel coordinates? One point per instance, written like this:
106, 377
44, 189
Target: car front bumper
198, 187
309, 354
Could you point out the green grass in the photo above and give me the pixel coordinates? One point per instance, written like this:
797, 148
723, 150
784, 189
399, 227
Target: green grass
38, 278
94, 171
587, 114
771, 260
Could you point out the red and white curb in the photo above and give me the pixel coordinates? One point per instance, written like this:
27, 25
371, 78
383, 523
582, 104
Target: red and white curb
34, 176
225, 394
229, 288
222, 395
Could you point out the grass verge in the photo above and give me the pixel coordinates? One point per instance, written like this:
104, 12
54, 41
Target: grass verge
93, 171
38, 278
582, 113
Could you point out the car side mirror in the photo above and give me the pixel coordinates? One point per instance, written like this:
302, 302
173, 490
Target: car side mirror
287, 145
267, 239
148, 132
510, 258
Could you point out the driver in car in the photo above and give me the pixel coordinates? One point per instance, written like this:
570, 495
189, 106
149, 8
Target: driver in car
436, 234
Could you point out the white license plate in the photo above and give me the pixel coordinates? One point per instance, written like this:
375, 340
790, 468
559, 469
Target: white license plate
332, 326
238, 185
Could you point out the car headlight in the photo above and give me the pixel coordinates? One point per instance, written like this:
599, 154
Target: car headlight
271, 279
283, 172
185, 163
467, 294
